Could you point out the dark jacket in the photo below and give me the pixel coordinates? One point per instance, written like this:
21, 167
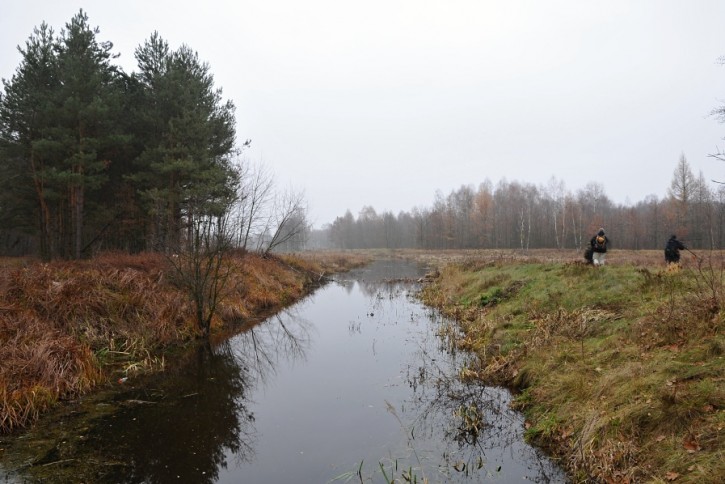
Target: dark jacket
672, 249
596, 247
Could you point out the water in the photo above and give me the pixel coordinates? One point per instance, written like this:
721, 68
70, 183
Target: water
350, 384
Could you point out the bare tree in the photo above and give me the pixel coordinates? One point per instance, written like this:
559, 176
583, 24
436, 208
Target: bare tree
483, 216
200, 268
557, 192
287, 221
255, 195
703, 214
653, 216
681, 192
341, 231
719, 113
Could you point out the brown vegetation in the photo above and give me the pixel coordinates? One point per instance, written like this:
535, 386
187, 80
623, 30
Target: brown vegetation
66, 327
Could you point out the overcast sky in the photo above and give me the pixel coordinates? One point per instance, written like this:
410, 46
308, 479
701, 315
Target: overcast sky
383, 102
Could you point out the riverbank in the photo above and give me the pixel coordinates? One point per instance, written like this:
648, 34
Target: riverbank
67, 328
619, 369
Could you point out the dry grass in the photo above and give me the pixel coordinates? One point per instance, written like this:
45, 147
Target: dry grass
61, 322
66, 327
327, 262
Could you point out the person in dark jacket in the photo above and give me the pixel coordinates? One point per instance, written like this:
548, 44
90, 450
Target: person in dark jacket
599, 245
672, 250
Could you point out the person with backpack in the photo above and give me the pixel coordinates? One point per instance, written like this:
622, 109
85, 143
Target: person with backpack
672, 250
599, 245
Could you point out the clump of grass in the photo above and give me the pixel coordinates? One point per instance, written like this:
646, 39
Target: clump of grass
61, 321
39, 366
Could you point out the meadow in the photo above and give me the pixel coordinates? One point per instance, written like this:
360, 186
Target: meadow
618, 369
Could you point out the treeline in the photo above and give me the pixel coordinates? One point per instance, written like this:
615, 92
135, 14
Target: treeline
519, 215
93, 158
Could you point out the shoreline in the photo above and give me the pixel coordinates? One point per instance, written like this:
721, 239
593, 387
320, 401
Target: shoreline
69, 328
618, 369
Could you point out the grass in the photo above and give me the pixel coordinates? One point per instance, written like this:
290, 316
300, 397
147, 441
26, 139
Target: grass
68, 327
619, 368
389, 471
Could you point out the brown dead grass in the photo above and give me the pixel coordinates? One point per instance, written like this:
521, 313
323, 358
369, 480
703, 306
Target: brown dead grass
66, 327
60, 321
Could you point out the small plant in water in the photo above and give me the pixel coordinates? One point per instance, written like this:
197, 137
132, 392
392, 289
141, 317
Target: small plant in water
389, 475
471, 422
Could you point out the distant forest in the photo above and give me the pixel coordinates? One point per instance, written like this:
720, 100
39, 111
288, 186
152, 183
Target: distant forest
514, 215
93, 158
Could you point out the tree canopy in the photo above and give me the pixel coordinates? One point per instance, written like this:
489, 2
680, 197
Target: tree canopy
92, 157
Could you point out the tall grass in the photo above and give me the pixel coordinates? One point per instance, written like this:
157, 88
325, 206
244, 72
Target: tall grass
66, 327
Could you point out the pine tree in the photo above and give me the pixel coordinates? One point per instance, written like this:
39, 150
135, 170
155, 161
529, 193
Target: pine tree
184, 170
29, 149
88, 104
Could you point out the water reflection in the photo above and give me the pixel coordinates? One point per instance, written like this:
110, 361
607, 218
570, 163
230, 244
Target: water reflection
453, 431
354, 374
259, 350
478, 435
186, 424
206, 412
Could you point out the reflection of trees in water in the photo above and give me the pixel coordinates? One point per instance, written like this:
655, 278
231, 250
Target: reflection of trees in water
184, 424
181, 429
474, 420
383, 278
384, 290
260, 349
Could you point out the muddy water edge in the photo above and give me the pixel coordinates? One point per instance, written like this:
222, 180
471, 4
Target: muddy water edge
354, 383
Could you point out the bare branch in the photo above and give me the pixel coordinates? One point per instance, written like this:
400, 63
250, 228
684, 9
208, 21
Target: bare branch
289, 217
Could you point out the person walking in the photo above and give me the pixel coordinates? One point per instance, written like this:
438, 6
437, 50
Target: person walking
672, 250
599, 245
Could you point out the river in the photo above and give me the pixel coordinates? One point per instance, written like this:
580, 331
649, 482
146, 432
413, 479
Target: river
352, 384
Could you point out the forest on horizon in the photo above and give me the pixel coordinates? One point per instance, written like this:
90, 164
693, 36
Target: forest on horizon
517, 215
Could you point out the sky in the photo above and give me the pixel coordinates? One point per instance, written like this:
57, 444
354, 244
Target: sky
383, 103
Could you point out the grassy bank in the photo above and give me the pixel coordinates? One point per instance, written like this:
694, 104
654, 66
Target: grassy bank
68, 327
620, 368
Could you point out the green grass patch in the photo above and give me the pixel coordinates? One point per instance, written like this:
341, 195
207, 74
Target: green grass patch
620, 367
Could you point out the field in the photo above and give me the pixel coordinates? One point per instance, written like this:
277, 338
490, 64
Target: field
618, 369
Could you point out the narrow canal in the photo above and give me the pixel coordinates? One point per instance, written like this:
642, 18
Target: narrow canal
352, 384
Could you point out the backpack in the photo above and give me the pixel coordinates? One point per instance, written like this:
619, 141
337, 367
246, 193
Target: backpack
600, 242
